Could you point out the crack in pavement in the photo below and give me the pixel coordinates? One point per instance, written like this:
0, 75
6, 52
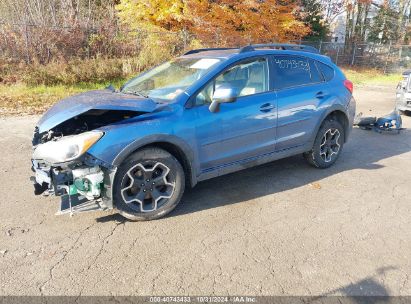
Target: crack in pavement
66, 252
103, 242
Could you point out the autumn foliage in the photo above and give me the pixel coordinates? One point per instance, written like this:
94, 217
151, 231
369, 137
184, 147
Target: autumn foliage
47, 41
218, 22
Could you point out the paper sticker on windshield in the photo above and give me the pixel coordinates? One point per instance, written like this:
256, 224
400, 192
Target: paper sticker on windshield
204, 63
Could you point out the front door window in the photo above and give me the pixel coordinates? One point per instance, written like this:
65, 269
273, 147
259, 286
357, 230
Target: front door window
248, 78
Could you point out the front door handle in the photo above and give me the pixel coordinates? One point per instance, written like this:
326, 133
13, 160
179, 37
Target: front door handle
267, 107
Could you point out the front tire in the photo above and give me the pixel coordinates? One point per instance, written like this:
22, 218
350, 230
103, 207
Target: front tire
148, 185
327, 145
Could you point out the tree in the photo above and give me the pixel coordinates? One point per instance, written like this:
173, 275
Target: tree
218, 22
403, 9
332, 9
313, 15
154, 14
39, 30
237, 22
385, 25
356, 20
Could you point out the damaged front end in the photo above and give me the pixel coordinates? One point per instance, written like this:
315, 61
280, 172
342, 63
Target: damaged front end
61, 163
81, 187
63, 168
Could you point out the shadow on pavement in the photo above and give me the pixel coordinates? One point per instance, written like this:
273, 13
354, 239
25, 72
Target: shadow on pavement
363, 151
368, 290
115, 217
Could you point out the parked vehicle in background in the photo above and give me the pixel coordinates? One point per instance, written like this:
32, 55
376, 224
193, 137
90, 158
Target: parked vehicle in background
204, 114
403, 96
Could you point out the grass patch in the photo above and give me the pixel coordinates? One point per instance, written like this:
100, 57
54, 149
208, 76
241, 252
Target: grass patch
371, 77
23, 99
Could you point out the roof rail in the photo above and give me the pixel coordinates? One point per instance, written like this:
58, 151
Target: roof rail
205, 50
280, 46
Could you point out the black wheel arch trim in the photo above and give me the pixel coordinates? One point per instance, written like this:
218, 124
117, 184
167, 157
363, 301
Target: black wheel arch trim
153, 140
333, 108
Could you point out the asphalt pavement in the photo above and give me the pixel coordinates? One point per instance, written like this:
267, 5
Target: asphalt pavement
283, 228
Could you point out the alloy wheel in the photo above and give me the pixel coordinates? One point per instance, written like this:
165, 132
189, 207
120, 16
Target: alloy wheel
330, 146
145, 188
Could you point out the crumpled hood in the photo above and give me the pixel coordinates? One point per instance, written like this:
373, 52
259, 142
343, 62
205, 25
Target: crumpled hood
100, 100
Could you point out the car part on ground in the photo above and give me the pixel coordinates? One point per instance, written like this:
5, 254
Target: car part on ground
202, 115
366, 122
390, 123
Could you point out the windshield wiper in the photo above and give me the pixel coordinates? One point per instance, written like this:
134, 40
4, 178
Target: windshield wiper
137, 93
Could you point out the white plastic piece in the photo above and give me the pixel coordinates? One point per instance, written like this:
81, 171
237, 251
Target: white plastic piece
95, 179
82, 172
94, 176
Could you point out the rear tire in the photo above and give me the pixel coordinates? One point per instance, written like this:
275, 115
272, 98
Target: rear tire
148, 185
327, 145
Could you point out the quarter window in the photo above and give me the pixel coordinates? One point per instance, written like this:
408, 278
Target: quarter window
327, 71
315, 74
247, 78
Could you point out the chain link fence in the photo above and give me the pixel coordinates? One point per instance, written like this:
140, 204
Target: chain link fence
29, 42
386, 57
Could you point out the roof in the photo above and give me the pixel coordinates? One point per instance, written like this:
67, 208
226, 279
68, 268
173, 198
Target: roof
256, 49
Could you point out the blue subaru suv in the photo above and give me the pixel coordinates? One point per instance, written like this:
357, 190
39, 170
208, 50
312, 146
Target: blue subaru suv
204, 114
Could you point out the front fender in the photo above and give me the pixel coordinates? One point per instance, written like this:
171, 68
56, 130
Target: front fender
161, 138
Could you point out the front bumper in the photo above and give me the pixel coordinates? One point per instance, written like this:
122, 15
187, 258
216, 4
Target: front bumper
81, 187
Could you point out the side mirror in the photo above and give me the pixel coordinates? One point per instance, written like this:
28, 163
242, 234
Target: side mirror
223, 94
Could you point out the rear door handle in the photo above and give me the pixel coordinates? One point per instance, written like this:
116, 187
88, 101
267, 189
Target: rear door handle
267, 107
319, 95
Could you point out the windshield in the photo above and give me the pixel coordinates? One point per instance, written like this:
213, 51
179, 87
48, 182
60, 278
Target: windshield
170, 79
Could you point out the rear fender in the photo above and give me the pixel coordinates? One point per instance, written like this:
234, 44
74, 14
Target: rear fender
328, 111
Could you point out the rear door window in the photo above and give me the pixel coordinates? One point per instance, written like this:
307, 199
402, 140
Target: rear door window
293, 71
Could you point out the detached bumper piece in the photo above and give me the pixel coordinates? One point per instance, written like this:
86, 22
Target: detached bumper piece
71, 204
81, 189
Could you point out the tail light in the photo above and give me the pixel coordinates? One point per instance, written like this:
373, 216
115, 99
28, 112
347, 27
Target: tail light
349, 85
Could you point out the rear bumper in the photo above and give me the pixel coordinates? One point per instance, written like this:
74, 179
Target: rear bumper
403, 104
404, 107
351, 109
